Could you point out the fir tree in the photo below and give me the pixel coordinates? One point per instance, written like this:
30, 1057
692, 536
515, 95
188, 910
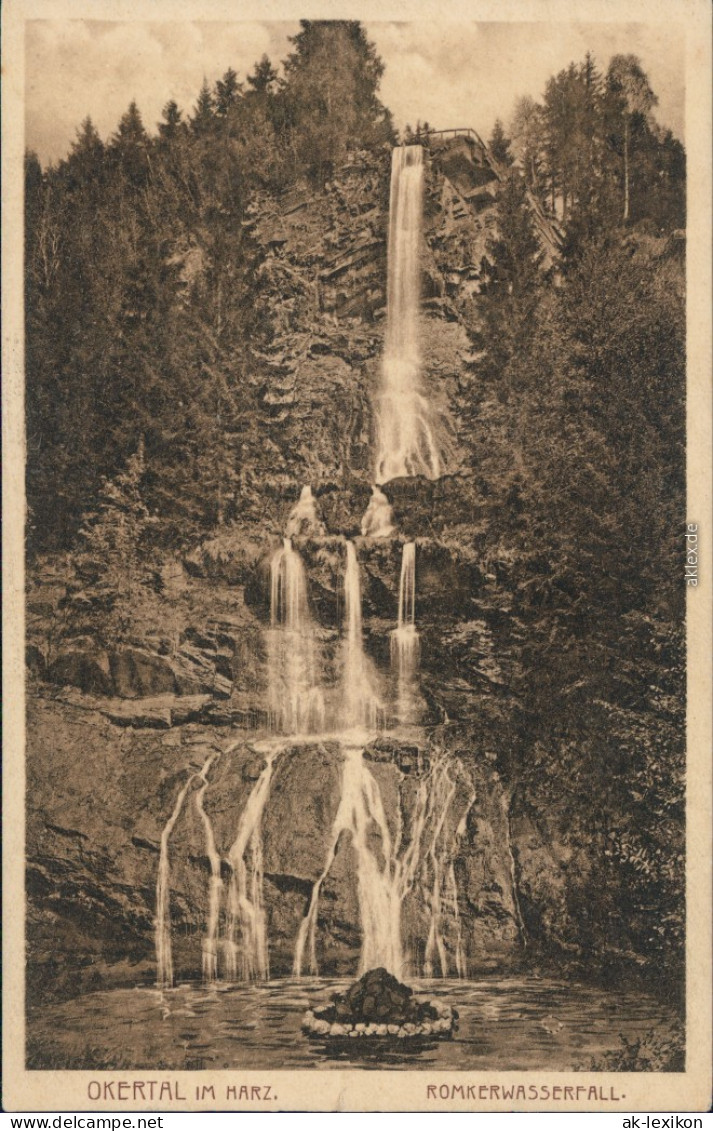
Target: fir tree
499, 144
227, 92
203, 118
264, 78
172, 122
129, 146
113, 563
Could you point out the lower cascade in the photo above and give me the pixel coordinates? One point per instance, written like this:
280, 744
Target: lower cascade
379, 903
246, 911
415, 859
215, 892
241, 951
164, 952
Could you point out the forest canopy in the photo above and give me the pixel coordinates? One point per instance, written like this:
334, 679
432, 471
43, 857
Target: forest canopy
142, 308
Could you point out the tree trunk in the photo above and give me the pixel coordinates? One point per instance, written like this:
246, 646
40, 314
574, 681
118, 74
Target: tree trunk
626, 170
505, 802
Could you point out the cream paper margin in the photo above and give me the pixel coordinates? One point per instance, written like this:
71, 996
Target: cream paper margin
329, 1089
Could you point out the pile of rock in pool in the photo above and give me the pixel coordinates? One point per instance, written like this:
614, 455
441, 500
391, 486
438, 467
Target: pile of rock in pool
378, 1005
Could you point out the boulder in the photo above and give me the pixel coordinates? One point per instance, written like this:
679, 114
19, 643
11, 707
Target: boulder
88, 670
140, 713
136, 673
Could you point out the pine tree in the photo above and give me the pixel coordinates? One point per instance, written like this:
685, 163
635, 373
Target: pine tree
87, 151
203, 118
129, 146
499, 144
516, 254
130, 133
331, 83
515, 280
264, 78
113, 564
172, 122
227, 93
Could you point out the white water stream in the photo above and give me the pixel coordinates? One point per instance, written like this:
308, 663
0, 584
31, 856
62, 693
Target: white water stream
296, 701
405, 642
246, 909
360, 705
389, 868
164, 951
407, 442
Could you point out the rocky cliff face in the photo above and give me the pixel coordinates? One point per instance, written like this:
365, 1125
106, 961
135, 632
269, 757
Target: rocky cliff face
94, 836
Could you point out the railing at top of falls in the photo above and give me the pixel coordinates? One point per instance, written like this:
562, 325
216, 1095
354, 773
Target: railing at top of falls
457, 131
548, 225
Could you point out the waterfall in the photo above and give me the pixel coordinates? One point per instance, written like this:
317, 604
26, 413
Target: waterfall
215, 891
439, 879
405, 643
164, 953
246, 910
378, 520
360, 702
406, 440
296, 702
303, 519
420, 862
360, 805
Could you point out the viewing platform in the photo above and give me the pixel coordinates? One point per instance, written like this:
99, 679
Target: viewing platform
475, 171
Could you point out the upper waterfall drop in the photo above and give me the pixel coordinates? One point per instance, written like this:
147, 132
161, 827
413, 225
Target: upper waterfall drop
407, 443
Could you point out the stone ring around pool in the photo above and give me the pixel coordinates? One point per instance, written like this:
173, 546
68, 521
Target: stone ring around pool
378, 1005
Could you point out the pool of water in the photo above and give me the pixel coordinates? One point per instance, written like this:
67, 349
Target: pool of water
513, 1023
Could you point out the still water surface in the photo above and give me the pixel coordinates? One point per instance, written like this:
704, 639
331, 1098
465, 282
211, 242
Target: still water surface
505, 1024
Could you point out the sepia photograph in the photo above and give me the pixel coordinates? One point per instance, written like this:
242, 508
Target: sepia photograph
354, 653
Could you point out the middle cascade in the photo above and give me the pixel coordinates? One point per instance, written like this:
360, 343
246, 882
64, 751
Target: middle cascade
405, 643
296, 701
361, 706
407, 443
